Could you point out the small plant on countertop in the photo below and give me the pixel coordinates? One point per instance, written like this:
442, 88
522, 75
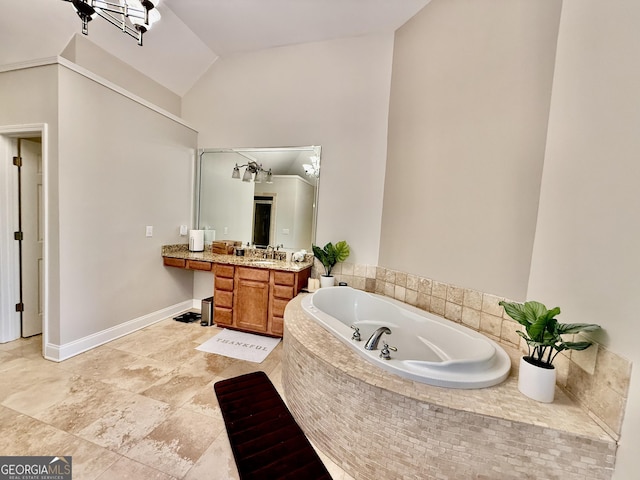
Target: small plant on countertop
543, 333
331, 254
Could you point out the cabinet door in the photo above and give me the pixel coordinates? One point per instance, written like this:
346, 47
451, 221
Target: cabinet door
223, 295
250, 305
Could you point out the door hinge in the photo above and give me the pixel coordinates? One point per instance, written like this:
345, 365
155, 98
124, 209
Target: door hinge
18, 236
17, 161
20, 307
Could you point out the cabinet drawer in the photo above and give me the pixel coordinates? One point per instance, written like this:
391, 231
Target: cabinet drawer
223, 270
223, 299
257, 274
198, 265
277, 326
224, 284
283, 278
280, 291
279, 306
175, 262
223, 316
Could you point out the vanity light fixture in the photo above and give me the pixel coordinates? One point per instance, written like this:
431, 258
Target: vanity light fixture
133, 17
253, 168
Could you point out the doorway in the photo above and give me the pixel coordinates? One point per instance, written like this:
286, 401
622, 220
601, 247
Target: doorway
263, 220
30, 235
22, 235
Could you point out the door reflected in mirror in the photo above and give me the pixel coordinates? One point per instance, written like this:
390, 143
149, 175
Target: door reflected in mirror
261, 196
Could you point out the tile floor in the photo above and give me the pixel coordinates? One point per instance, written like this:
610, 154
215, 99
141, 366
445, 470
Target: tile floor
140, 407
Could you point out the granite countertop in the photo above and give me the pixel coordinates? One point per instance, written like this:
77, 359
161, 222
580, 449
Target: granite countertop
182, 251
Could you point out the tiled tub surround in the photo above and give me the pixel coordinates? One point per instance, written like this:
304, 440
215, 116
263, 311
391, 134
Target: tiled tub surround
595, 378
377, 425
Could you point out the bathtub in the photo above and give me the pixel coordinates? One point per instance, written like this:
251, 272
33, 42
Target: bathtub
430, 349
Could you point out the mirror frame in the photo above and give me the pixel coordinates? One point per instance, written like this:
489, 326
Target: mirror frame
198, 177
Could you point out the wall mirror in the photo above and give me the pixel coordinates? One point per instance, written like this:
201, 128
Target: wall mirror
264, 196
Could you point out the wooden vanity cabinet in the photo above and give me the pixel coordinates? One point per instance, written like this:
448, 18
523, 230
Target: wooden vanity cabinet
175, 262
284, 286
223, 294
251, 299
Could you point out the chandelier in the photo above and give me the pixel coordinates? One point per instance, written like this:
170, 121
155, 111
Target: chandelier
253, 168
312, 169
133, 17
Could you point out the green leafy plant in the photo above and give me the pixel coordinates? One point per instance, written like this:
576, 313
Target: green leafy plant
331, 254
543, 333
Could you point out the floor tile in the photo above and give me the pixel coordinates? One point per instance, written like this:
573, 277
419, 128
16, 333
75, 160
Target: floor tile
177, 388
127, 469
176, 444
140, 407
140, 374
87, 401
123, 426
180, 351
89, 460
217, 462
100, 362
40, 395
21, 373
205, 401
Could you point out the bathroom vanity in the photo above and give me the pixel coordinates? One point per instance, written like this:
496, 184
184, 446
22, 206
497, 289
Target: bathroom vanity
250, 294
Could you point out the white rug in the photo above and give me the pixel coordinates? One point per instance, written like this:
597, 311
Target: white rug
240, 345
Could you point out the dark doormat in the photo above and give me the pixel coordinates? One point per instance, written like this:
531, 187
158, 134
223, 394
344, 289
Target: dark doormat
266, 441
187, 317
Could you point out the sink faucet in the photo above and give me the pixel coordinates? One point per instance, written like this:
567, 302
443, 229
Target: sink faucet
372, 343
268, 252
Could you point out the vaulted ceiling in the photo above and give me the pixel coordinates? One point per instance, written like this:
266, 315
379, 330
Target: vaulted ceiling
194, 33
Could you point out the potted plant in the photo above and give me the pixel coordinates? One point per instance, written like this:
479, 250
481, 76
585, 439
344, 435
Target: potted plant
329, 255
543, 334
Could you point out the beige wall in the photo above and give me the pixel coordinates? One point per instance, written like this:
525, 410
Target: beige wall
87, 54
122, 167
585, 256
334, 94
29, 97
467, 125
466, 142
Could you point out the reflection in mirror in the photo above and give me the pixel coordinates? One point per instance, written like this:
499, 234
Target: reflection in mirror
264, 196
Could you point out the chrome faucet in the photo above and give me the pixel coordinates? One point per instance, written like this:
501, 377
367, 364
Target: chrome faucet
385, 354
356, 333
268, 253
372, 343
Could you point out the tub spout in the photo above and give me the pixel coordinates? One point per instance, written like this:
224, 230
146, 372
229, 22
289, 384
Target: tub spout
372, 343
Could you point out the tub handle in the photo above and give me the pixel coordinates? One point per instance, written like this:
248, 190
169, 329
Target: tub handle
385, 353
356, 333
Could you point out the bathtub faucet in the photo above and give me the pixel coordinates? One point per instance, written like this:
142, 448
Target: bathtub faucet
372, 343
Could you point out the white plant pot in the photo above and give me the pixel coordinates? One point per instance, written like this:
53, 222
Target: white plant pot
327, 281
536, 382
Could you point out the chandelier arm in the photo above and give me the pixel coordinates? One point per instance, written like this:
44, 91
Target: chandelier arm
116, 14
125, 9
122, 25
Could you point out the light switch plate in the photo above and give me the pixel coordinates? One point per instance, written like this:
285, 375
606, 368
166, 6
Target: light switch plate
149, 231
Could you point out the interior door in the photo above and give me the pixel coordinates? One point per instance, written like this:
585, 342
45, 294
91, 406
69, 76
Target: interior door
32, 228
262, 207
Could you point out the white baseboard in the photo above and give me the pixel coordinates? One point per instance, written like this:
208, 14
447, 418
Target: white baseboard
58, 353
